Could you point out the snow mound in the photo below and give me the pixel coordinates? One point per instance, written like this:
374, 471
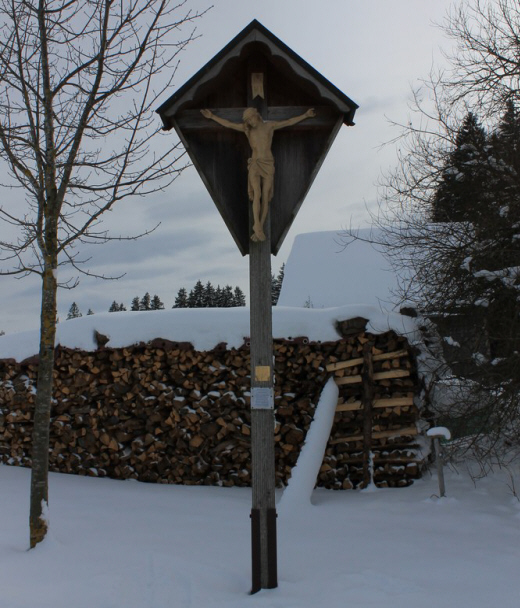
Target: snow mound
204, 327
304, 473
439, 431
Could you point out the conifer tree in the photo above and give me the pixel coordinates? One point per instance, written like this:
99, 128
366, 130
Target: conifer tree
219, 298
506, 151
145, 303
207, 296
239, 298
136, 304
208, 299
507, 136
463, 272
156, 303
74, 312
462, 192
227, 296
276, 285
196, 296
115, 307
181, 300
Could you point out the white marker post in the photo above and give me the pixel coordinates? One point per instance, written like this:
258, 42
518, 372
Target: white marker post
437, 433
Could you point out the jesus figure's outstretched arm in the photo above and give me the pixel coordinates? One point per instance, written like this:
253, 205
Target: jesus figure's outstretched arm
237, 126
293, 121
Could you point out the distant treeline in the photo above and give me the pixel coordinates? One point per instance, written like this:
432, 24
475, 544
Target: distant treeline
200, 296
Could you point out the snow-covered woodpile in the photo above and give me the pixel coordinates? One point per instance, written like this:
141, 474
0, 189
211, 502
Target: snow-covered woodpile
164, 412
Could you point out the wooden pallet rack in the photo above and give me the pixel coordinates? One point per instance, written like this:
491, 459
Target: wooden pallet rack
374, 432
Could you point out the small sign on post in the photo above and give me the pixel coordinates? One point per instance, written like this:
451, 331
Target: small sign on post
257, 122
262, 398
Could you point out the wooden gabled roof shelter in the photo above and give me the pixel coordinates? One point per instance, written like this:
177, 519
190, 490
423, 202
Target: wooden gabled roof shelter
288, 87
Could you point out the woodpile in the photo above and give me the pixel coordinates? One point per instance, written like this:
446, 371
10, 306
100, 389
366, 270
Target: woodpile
166, 413
374, 436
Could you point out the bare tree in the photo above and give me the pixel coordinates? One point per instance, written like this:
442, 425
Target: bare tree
465, 275
485, 68
79, 81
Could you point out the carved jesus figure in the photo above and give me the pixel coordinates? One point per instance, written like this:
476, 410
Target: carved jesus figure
261, 164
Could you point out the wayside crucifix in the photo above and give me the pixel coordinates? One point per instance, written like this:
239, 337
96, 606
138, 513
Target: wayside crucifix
254, 106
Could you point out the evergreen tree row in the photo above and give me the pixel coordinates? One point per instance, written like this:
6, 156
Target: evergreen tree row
208, 296
147, 303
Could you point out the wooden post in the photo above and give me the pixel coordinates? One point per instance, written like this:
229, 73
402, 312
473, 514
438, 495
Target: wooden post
368, 399
263, 513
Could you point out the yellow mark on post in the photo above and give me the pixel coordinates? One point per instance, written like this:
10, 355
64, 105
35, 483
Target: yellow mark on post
262, 373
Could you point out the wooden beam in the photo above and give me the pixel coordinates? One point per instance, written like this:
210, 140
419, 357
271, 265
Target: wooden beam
193, 119
378, 403
393, 355
332, 367
355, 379
263, 510
397, 460
411, 430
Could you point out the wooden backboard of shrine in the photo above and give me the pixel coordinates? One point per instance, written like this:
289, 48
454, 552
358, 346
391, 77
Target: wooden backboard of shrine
257, 70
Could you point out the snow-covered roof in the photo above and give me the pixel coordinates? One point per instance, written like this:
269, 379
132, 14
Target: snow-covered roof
321, 272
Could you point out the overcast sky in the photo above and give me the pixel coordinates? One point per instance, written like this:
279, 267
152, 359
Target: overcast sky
374, 51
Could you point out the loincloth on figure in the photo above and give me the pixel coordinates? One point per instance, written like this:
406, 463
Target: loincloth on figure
260, 167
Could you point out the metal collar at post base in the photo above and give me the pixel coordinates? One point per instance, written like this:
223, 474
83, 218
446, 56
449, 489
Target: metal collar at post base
272, 574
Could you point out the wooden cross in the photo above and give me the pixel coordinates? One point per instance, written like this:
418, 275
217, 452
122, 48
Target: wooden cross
193, 120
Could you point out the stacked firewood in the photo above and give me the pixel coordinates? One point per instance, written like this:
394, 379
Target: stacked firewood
166, 413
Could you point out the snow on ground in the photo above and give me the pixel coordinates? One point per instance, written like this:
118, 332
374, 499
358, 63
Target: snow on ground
117, 544
203, 327
321, 272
